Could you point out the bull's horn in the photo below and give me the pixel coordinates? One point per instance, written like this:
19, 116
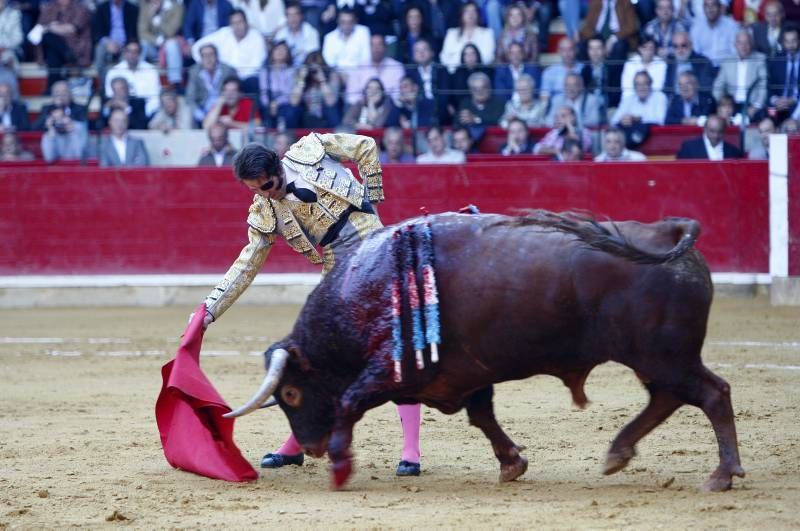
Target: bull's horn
271, 401
274, 373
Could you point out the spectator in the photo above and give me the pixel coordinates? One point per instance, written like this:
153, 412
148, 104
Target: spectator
689, 106
62, 99
65, 138
597, 77
767, 34
281, 142
685, 59
204, 17
470, 63
790, 126
11, 150
301, 37
388, 70
205, 82
714, 36
540, 13
760, 151
516, 31
219, 152
119, 148
114, 24
67, 39
158, 27
586, 106
347, 46
784, 74
372, 111
432, 78
482, 109
469, 31
505, 76
570, 151
518, 139
10, 34
439, 152
415, 27
523, 105
314, 102
565, 126
377, 15
726, 110
393, 147
553, 76
614, 149
239, 46
172, 114
662, 28
13, 114
644, 106
264, 16
121, 99
646, 60
413, 109
276, 81
463, 142
232, 109
744, 78
142, 77
615, 22
711, 145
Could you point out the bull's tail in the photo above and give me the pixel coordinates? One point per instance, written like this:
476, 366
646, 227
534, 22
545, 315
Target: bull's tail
596, 236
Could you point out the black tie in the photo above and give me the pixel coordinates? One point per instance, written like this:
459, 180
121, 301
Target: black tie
791, 85
303, 194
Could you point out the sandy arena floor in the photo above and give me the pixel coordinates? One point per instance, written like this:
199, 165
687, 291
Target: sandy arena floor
79, 445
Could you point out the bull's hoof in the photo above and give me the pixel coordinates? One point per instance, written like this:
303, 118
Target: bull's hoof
616, 461
514, 470
341, 472
721, 481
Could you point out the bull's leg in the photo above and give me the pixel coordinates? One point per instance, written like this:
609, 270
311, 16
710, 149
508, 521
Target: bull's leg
662, 404
481, 414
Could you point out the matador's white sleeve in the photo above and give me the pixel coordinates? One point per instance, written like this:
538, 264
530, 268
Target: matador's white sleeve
241, 273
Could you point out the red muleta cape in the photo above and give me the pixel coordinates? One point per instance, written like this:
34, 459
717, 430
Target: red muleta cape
189, 412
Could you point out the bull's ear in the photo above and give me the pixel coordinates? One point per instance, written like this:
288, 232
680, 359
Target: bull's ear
297, 357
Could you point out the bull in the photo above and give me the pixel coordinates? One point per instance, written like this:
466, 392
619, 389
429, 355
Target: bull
519, 296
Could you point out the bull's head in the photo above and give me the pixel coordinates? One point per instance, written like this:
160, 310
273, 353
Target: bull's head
308, 402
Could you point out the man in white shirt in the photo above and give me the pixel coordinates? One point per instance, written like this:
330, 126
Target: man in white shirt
711, 145
389, 71
714, 36
119, 148
439, 152
587, 106
644, 106
346, 47
744, 77
301, 37
614, 149
264, 16
553, 76
239, 46
143, 79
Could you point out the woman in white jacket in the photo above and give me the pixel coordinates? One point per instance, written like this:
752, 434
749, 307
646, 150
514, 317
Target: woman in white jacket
469, 32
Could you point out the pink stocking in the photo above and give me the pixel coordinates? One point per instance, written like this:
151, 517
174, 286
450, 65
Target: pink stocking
409, 419
290, 447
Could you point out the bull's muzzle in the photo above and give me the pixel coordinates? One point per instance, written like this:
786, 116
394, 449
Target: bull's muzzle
274, 373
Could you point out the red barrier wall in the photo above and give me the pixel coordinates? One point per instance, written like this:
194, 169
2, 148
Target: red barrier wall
136, 221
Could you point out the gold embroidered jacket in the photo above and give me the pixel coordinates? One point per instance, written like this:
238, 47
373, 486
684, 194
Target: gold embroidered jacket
316, 157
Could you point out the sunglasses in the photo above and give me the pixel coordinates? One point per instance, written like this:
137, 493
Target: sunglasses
267, 185
680, 45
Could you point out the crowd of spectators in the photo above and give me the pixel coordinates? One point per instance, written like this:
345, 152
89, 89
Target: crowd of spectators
451, 68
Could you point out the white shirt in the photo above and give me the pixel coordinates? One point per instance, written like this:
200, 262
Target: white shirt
301, 43
347, 52
293, 175
657, 69
455, 40
740, 95
266, 20
653, 110
715, 43
120, 147
714, 153
245, 56
450, 156
627, 155
426, 75
144, 82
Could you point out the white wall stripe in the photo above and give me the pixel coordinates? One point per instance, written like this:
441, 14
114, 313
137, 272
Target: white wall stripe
778, 206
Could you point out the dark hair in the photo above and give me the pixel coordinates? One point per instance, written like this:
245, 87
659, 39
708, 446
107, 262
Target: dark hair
232, 79
477, 52
789, 27
464, 7
238, 11
520, 120
570, 144
293, 3
289, 58
253, 160
647, 39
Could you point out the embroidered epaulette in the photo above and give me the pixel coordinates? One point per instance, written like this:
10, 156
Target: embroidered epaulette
307, 150
261, 215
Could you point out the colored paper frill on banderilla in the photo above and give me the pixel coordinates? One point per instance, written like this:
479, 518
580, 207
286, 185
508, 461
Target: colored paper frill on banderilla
194, 435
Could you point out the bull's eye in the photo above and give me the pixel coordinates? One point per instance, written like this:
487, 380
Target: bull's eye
291, 395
